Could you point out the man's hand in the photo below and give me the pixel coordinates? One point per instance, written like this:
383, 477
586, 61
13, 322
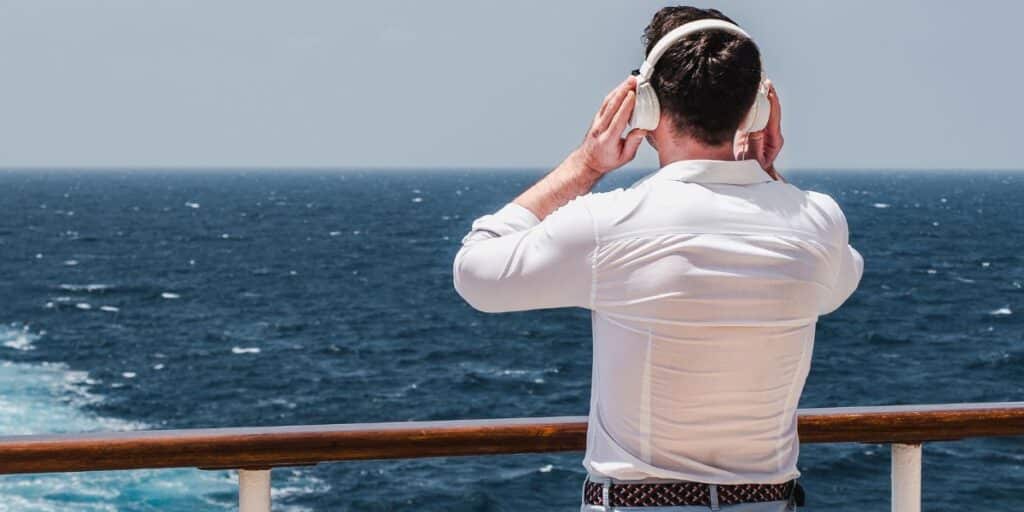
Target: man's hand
766, 144
603, 149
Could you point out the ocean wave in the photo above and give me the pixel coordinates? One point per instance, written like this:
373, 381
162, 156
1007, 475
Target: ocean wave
51, 399
1003, 311
97, 287
19, 337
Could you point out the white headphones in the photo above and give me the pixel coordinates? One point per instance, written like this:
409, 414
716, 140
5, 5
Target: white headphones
647, 111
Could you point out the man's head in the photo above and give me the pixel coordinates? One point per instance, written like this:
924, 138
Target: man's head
706, 83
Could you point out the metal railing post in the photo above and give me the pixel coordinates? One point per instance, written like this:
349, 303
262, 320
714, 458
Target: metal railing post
906, 478
253, 490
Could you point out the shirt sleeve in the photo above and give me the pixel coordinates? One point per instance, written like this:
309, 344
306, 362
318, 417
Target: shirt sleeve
848, 268
510, 261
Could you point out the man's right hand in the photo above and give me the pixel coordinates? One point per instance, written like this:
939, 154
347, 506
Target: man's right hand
603, 149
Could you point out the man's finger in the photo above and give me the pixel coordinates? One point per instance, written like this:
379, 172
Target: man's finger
612, 106
753, 146
607, 99
633, 141
775, 117
622, 114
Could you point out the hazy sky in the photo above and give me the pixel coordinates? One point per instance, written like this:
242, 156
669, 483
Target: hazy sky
209, 83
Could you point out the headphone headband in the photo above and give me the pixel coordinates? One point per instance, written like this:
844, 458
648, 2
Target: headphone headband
676, 34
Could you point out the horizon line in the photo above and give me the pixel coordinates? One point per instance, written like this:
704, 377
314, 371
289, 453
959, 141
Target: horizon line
315, 168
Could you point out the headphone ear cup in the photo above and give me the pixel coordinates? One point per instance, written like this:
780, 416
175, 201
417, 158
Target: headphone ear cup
647, 112
760, 111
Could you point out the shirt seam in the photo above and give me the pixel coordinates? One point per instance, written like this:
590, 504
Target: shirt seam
788, 405
593, 257
646, 390
794, 235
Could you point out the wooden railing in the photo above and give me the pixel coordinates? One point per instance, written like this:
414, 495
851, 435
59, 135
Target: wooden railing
254, 451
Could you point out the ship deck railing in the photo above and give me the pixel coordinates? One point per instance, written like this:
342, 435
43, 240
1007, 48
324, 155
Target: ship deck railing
255, 451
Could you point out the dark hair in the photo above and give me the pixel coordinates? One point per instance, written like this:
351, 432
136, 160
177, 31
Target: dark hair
707, 81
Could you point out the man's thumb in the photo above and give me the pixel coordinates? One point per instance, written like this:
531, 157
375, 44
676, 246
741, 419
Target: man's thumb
633, 140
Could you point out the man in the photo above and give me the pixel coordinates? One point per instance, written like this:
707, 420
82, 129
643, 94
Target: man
705, 281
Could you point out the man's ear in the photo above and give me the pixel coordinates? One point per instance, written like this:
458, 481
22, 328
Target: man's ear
650, 140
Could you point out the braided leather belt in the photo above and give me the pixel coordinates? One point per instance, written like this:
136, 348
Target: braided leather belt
675, 494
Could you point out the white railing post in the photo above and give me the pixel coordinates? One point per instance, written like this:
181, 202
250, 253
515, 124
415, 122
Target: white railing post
253, 490
906, 478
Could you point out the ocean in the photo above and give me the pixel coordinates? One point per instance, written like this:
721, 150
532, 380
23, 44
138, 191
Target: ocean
160, 299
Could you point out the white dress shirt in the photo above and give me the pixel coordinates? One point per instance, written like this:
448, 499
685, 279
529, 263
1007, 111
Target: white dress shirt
705, 280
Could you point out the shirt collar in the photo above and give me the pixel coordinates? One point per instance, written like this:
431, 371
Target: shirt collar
723, 172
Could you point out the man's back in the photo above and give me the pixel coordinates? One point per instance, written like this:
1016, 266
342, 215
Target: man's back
705, 280
708, 280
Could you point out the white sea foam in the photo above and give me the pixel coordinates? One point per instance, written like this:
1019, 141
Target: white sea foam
881, 205
546, 468
417, 199
129, 375
245, 350
49, 398
83, 305
190, 204
18, 337
71, 263
298, 482
169, 295
95, 287
110, 309
1001, 311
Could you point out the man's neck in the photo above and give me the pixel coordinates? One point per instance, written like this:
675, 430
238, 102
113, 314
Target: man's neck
685, 148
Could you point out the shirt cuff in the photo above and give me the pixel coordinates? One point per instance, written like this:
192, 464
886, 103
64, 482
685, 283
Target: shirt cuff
512, 218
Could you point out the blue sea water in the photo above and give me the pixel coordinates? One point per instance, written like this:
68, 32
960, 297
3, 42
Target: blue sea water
202, 299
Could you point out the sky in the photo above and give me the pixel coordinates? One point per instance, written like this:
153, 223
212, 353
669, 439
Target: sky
480, 84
